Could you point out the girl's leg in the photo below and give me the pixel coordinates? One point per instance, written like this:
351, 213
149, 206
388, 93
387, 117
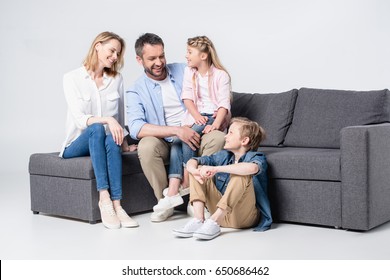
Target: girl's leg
175, 167
173, 198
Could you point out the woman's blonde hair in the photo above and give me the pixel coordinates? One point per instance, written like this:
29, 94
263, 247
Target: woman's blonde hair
204, 44
250, 129
91, 60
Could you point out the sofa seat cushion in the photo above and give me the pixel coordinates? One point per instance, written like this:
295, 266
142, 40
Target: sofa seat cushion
320, 115
272, 111
303, 163
50, 164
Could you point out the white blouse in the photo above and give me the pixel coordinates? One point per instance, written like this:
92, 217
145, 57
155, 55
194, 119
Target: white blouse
85, 100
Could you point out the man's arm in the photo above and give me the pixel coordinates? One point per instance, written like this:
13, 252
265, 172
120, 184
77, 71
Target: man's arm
184, 133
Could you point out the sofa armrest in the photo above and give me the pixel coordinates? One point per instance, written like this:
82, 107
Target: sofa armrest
365, 176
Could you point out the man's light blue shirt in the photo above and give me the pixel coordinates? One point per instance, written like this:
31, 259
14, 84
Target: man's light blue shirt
144, 102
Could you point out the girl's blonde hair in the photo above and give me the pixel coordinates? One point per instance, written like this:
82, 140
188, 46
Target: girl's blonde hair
204, 44
91, 60
252, 130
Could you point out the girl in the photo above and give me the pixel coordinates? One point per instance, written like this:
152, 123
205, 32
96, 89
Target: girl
94, 127
206, 95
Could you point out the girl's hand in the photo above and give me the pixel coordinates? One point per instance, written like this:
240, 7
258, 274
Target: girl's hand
201, 120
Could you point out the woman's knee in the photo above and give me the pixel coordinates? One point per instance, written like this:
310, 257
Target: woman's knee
97, 130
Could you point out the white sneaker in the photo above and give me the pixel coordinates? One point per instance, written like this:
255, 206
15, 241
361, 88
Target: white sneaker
189, 228
108, 215
168, 202
209, 230
161, 216
125, 219
182, 191
190, 211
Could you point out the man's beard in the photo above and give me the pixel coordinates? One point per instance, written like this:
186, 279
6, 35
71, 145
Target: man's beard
162, 75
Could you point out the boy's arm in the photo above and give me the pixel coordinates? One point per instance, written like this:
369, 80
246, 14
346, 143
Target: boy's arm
192, 167
242, 168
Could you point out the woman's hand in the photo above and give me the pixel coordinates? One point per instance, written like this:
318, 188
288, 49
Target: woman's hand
116, 130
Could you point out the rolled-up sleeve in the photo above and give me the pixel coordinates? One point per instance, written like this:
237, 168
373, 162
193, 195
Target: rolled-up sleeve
135, 113
224, 91
77, 103
261, 162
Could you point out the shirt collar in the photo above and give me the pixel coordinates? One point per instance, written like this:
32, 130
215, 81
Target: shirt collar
87, 76
155, 83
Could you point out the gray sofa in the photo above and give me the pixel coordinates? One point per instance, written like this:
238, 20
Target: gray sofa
67, 187
328, 153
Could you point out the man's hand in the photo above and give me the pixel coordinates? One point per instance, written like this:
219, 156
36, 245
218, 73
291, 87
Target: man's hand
189, 136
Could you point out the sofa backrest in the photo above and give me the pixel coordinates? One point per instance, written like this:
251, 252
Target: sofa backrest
320, 114
273, 111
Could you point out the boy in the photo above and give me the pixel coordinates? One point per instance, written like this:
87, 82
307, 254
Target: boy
240, 186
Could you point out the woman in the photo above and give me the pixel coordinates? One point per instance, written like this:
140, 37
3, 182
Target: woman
94, 127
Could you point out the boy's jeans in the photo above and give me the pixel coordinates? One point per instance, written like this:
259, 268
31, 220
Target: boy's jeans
105, 156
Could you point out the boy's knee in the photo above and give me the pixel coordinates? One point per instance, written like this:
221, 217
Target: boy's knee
243, 180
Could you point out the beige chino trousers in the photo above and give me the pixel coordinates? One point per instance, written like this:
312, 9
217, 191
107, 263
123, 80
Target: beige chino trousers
239, 200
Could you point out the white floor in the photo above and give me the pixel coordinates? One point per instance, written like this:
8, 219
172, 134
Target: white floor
27, 236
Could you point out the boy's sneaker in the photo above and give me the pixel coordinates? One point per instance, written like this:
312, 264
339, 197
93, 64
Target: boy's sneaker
182, 191
161, 216
209, 230
107, 212
190, 211
126, 220
188, 229
168, 202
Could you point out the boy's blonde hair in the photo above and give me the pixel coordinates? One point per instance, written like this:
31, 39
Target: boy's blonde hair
91, 60
250, 129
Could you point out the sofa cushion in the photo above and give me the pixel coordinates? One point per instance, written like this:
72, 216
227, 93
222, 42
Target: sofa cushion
272, 111
303, 163
50, 164
320, 115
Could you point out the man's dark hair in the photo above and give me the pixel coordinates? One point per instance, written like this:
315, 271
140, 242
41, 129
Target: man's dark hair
147, 38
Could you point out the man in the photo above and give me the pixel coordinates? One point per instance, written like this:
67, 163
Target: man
154, 112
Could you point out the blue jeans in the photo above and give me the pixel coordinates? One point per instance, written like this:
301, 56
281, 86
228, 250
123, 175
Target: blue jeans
105, 155
181, 152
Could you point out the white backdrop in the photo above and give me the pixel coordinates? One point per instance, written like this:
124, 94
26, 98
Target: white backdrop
267, 46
